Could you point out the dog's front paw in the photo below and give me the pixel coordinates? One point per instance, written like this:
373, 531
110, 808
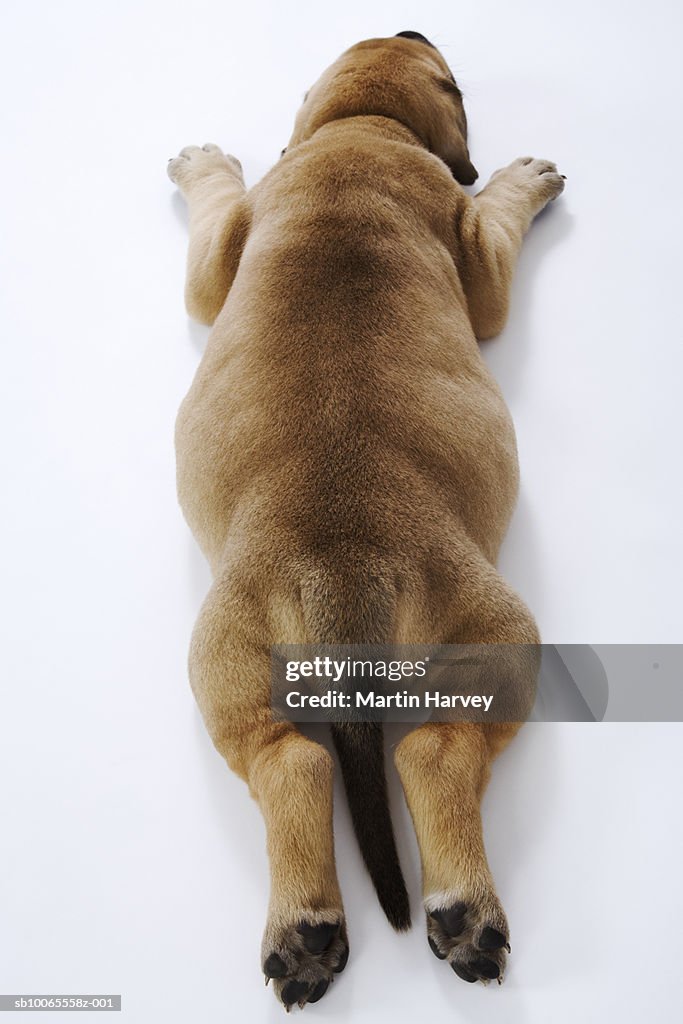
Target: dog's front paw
301, 958
194, 162
539, 176
470, 933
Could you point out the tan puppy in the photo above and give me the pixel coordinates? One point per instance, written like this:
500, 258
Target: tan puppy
349, 468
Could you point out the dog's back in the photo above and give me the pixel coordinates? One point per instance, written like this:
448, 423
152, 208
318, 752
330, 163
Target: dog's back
342, 405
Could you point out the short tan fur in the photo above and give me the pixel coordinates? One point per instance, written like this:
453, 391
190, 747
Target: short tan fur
348, 465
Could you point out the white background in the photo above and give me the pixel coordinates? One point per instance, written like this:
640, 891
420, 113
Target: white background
132, 861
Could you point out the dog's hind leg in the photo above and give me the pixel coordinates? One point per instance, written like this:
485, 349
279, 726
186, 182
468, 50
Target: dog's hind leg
213, 186
290, 776
444, 768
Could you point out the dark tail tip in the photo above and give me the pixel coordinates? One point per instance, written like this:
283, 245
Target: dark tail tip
397, 909
361, 754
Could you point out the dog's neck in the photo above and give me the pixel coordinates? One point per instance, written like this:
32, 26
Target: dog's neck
389, 127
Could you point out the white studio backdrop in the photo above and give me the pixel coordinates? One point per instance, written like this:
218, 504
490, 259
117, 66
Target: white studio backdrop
131, 860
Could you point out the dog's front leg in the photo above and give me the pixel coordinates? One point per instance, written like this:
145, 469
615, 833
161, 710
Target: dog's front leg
489, 234
213, 186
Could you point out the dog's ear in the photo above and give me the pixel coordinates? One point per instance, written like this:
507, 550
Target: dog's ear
447, 127
415, 35
458, 159
448, 135
405, 78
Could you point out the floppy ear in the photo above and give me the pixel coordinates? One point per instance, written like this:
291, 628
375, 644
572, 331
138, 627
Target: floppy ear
447, 127
415, 35
458, 159
448, 133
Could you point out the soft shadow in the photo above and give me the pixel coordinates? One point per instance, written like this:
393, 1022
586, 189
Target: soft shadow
199, 573
179, 207
406, 840
199, 335
505, 355
519, 560
234, 813
519, 805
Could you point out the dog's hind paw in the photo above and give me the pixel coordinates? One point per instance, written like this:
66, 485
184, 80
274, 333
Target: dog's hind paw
302, 958
471, 934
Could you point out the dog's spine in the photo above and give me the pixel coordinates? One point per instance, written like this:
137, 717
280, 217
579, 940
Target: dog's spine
357, 607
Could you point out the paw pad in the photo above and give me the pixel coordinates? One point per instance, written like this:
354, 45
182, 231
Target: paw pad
303, 957
317, 937
472, 936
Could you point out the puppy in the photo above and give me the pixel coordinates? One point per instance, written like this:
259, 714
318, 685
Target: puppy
349, 468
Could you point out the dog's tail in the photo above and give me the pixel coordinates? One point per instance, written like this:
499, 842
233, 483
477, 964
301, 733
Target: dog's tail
360, 610
360, 746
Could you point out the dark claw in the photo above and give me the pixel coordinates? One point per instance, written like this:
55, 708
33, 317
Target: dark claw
463, 973
435, 949
319, 991
487, 968
341, 963
317, 937
490, 938
294, 992
274, 967
452, 920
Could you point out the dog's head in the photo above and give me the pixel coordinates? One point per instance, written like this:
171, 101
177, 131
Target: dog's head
404, 78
